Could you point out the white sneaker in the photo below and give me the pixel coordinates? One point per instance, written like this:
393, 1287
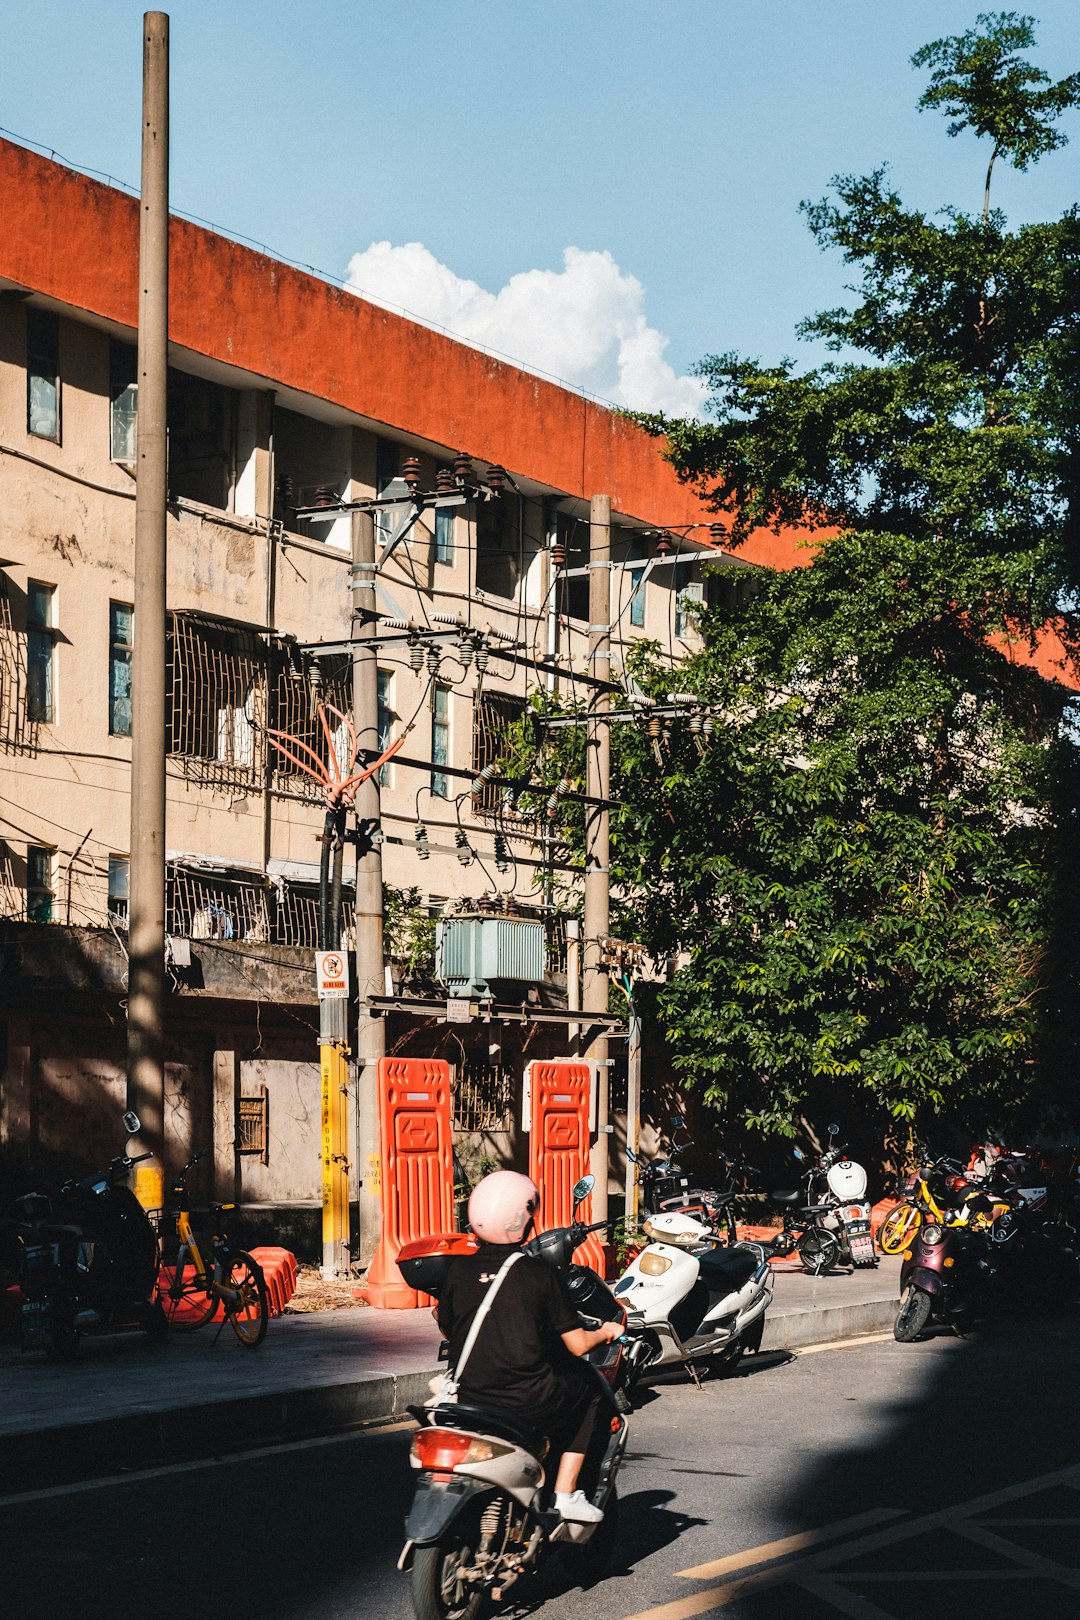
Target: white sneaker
575, 1506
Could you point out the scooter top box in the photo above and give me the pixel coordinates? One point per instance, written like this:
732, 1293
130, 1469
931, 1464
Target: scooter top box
424, 1262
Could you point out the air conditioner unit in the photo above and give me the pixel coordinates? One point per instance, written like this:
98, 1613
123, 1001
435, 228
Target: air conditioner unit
470, 952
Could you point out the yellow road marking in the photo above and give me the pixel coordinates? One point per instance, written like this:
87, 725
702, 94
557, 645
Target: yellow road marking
788, 1544
844, 1344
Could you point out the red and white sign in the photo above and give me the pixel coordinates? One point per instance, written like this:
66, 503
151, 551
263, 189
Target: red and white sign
332, 972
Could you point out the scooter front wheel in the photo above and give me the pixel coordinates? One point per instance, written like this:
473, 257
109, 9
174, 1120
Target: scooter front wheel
819, 1252
913, 1315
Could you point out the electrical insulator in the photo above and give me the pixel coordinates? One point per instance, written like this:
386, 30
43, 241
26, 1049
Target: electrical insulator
444, 482
553, 807
464, 853
410, 473
718, 533
654, 727
663, 544
416, 653
420, 839
695, 725
482, 778
665, 736
464, 471
434, 659
707, 730
502, 854
324, 495
482, 656
465, 652
496, 478
558, 555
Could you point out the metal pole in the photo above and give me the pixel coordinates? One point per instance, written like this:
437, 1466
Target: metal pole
597, 779
370, 966
633, 1118
146, 922
333, 1070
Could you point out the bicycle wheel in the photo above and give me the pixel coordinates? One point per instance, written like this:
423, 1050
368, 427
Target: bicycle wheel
898, 1229
249, 1312
187, 1303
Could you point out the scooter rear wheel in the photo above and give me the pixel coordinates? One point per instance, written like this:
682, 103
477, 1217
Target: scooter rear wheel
437, 1591
913, 1315
819, 1252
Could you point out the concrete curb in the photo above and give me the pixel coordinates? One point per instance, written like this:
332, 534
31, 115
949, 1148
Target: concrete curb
71, 1452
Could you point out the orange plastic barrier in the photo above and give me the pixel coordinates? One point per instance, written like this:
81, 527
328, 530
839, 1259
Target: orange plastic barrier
416, 1138
559, 1104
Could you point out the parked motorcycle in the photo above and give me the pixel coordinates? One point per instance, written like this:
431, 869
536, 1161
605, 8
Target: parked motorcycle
665, 1185
89, 1264
482, 1513
692, 1299
829, 1222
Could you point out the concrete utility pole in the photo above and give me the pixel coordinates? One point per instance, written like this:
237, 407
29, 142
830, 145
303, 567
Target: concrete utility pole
597, 783
146, 921
370, 963
633, 1116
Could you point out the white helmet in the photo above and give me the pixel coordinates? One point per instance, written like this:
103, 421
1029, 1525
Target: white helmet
502, 1207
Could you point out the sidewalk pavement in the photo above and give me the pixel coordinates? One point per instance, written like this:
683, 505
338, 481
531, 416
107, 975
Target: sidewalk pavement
124, 1403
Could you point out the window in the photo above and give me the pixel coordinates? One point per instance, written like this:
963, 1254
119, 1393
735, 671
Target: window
637, 598
43, 374
40, 651
444, 535
440, 740
254, 1122
123, 403
202, 420
40, 885
688, 599
385, 718
216, 699
495, 714
119, 877
121, 638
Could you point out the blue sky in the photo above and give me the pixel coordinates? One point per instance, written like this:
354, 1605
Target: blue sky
669, 144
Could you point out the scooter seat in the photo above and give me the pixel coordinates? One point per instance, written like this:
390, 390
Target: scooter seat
730, 1268
457, 1415
786, 1195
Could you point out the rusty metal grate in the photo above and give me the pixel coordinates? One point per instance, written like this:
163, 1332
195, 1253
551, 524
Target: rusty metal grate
483, 1096
216, 701
202, 905
296, 919
18, 733
253, 1125
493, 716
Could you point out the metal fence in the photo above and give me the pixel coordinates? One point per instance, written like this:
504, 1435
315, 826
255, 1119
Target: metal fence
483, 1096
216, 700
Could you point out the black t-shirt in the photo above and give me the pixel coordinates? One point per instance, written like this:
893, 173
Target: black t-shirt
511, 1363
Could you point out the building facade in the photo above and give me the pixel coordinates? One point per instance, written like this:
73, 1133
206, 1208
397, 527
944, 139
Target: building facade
286, 394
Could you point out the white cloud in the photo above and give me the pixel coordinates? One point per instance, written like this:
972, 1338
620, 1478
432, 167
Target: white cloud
584, 324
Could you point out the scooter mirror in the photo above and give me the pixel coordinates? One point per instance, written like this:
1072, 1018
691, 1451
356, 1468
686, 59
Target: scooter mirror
678, 1122
799, 1154
132, 1122
834, 1130
582, 1189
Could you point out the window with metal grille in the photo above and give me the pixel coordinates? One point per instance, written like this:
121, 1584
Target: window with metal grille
121, 641
15, 731
43, 374
483, 1096
40, 883
40, 651
296, 918
493, 716
205, 905
297, 689
216, 699
254, 1125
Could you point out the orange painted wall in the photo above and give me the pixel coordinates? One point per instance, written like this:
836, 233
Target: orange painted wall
76, 240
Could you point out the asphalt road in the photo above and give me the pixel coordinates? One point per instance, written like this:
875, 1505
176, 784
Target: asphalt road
876, 1481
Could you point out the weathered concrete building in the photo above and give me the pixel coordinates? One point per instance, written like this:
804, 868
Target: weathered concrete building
285, 392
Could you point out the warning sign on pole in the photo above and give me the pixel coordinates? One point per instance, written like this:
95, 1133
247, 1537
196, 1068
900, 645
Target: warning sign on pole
332, 972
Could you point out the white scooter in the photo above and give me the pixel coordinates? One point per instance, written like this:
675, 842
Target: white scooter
833, 1215
691, 1298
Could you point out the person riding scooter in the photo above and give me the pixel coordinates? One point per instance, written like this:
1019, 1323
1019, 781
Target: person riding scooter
525, 1359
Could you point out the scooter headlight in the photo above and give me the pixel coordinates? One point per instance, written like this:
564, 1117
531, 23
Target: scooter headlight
653, 1265
931, 1235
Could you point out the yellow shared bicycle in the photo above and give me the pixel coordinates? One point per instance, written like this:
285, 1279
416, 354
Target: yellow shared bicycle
226, 1279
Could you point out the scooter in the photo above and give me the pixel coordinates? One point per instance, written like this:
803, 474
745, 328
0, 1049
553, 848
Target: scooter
692, 1299
482, 1514
830, 1222
88, 1266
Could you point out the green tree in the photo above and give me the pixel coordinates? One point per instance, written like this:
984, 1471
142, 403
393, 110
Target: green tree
867, 876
